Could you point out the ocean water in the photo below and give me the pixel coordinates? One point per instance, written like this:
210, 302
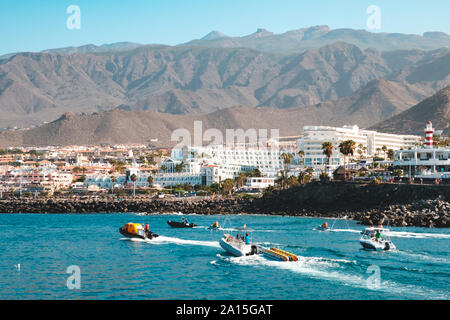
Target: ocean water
36, 251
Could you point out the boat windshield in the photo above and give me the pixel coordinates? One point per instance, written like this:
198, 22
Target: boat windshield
372, 233
241, 235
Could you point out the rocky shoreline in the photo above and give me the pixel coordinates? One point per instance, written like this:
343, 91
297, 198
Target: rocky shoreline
389, 204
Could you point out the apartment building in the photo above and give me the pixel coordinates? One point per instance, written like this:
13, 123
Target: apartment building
368, 143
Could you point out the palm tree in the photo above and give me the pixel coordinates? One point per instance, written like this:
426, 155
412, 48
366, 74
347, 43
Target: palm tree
385, 149
179, 167
134, 178
327, 149
390, 154
150, 181
164, 168
301, 154
227, 186
361, 150
305, 175
283, 179
240, 179
287, 158
113, 181
347, 148
378, 150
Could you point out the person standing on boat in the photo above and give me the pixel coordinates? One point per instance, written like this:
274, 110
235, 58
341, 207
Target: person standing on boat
247, 239
378, 236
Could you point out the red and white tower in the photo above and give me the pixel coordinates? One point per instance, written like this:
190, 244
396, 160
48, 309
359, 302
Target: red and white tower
429, 135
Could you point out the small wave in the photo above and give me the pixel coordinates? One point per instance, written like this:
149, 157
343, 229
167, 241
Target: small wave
320, 268
418, 235
346, 230
423, 257
165, 240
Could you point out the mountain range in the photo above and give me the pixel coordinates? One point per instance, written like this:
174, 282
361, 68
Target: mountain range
38, 87
303, 39
263, 80
435, 109
120, 126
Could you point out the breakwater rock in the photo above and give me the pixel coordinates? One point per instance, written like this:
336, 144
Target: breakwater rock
370, 204
388, 204
111, 205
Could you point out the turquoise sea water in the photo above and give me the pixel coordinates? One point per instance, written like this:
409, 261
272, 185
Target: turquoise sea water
190, 264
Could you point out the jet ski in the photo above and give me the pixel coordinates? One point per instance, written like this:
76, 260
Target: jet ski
214, 226
323, 227
183, 224
136, 230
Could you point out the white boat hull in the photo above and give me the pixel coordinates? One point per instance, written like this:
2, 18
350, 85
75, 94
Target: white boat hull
377, 245
236, 248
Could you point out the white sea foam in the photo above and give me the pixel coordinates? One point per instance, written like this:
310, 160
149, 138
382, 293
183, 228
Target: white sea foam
346, 230
165, 240
323, 268
418, 235
403, 234
423, 257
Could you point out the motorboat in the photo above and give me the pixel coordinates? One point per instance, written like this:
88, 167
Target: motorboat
279, 255
240, 246
376, 239
137, 231
182, 224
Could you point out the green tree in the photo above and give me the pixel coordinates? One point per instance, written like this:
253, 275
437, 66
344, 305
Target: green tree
347, 148
301, 154
283, 179
133, 178
227, 186
150, 181
287, 158
390, 154
385, 150
327, 149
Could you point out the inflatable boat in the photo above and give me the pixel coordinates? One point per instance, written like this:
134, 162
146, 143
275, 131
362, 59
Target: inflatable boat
279, 255
136, 230
176, 224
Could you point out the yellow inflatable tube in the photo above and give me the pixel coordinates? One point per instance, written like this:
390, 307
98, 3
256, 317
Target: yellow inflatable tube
292, 257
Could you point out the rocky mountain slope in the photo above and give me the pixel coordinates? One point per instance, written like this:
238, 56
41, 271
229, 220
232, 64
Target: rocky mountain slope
435, 109
38, 87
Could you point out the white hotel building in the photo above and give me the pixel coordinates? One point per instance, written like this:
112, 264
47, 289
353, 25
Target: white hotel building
314, 136
212, 164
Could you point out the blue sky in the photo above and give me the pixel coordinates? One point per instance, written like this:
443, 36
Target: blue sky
34, 25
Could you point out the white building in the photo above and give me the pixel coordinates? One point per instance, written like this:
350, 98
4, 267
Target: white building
367, 143
424, 162
258, 183
428, 161
233, 160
